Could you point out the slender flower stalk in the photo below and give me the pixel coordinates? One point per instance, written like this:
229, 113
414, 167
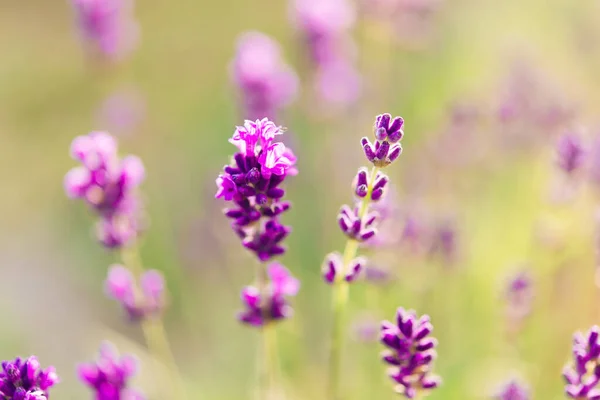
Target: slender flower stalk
252, 182
109, 185
359, 224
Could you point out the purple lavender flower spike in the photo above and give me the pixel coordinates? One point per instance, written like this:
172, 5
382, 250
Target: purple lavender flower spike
253, 183
410, 353
583, 374
272, 305
108, 377
361, 185
513, 390
570, 153
107, 26
265, 82
143, 301
386, 147
25, 380
108, 184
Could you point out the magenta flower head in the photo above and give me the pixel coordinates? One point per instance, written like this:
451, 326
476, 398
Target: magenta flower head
570, 153
264, 81
388, 133
583, 374
25, 380
143, 300
108, 376
323, 23
271, 305
333, 268
513, 390
252, 182
108, 184
410, 353
107, 26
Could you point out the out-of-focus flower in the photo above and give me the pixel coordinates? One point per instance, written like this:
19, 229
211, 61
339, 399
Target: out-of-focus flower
570, 153
365, 328
122, 112
25, 380
513, 390
108, 185
323, 24
410, 353
109, 376
334, 269
583, 374
145, 300
265, 83
107, 26
338, 82
270, 304
519, 296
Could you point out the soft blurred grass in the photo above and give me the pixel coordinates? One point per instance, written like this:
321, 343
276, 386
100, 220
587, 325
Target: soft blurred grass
52, 269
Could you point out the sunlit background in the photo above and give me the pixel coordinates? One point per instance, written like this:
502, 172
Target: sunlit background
486, 89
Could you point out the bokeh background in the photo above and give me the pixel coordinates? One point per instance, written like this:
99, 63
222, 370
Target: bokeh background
485, 87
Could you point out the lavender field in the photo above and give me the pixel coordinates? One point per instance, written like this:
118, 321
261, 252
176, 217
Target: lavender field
300, 199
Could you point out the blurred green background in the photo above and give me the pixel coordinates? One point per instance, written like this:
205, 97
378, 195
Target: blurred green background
495, 182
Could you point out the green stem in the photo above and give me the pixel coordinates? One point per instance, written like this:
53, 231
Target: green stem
153, 329
340, 300
269, 367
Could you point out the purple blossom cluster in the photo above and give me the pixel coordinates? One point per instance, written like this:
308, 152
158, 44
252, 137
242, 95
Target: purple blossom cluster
570, 153
141, 301
410, 353
108, 184
24, 379
513, 390
360, 222
325, 28
109, 376
583, 374
252, 183
270, 304
265, 83
107, 27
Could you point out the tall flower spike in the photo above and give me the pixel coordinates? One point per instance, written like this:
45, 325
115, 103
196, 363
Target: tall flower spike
265, 82
141, 301
108, 184
25, 380
583, 374
386, 147
410, 353
108, 376
570, 153
271, 305
107, 26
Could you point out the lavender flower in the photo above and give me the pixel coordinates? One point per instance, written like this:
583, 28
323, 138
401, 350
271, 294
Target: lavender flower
410, 353
108, 185
362, 184
583, 375
25, 380
333, 267
323, 24
108, 377
107, 26
356, 227
519, 296
386, 148
253, 183
265, 82
271, 304
513, 390
570, 153
144, 301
